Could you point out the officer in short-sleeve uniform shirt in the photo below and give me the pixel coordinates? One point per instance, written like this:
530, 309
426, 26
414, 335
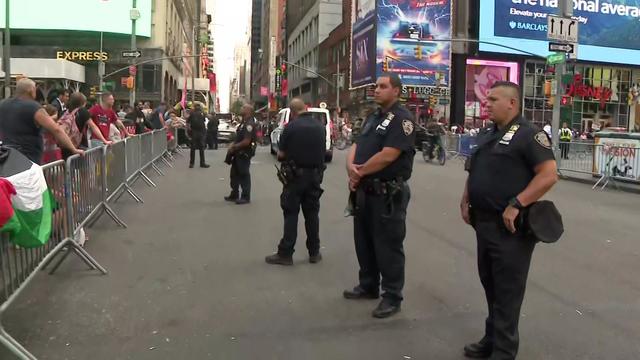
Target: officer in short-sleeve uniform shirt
508, 156
242, 150
383, 161
302, 149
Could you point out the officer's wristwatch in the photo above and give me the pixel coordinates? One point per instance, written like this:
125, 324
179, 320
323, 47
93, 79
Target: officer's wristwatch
514, 202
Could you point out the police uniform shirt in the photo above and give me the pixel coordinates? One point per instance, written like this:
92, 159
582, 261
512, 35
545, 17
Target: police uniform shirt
197, 122
247, 127
503, 163
303, 142
395, 129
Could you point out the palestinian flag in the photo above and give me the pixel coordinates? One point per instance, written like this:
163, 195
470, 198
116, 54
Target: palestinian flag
28, 215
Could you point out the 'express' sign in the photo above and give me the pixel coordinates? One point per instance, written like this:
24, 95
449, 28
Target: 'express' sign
82, 55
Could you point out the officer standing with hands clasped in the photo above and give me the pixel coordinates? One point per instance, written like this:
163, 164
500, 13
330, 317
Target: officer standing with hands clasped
239, 157
379, 164
197, 132
301, 151
511, 168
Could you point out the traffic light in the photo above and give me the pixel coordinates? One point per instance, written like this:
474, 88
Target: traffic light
433, 101
130, 82
385, 65
418, 53
566, 101
92, 92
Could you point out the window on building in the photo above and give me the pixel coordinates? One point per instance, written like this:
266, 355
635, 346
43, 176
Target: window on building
582, 112
150, 83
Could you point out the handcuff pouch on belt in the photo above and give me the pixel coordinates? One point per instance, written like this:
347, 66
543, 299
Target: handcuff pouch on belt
287, 172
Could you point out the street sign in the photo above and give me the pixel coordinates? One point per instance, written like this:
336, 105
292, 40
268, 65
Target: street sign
570, 48
132, 70
131, 54
556, 58
562, 29
561, 47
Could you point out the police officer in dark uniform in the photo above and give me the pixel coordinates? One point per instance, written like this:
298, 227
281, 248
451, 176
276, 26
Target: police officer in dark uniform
512, 167
239, 155
379, 164
301, 150
212, 131
197, 131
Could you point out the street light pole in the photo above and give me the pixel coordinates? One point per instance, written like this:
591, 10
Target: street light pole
132, 93
564, 10
6, 53
195, 62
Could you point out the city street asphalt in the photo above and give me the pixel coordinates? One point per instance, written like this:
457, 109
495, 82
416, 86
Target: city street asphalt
187, 279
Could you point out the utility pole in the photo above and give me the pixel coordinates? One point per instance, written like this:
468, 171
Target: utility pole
195, 62
6, 53
101, 66
565, 9
134, 16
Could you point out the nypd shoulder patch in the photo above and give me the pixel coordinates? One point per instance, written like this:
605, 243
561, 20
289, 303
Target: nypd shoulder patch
407, 126
249, 128
543, 139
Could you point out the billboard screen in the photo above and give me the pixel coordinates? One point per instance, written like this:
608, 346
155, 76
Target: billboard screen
480, 76
112, 16
363, 43
406, 31
608, 29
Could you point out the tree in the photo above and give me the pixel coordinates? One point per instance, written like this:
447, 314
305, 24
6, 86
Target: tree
236, 107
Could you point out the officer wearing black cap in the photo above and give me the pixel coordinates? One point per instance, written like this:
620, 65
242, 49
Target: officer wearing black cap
301, 150
239, 155
512, 167
379, 164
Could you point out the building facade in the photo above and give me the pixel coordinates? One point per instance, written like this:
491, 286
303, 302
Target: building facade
70, 55
308, 25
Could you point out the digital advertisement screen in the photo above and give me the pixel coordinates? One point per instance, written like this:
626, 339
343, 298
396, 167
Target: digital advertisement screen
406, 31
112, 16
363, 43
609, 30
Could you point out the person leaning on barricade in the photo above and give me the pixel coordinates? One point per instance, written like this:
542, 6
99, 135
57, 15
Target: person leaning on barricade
21, 121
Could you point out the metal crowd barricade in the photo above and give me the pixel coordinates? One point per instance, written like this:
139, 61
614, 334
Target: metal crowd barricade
18, 266
116, 169
144, 151
88, 177
158, 148
606, 163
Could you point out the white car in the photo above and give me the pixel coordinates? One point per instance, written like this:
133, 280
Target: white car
226, 130
321, 115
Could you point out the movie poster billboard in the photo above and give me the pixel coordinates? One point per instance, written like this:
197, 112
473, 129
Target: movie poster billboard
407, 30
363, 43
608, 29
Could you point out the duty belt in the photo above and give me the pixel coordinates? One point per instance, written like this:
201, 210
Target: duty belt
378, 187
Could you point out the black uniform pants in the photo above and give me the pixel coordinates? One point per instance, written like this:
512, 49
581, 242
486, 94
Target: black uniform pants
303, 192
197, 144
379, 235
240, 176
503, 264
564, 148
212, 140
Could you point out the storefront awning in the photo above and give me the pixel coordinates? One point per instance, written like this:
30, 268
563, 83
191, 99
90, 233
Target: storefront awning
47, 69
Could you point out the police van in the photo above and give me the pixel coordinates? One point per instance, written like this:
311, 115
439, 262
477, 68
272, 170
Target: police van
320, 114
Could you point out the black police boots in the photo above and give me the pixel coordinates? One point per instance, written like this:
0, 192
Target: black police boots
480, 350
359, 293
231, 198
243, 201
315, 258
385, 309
205, 166
277, 259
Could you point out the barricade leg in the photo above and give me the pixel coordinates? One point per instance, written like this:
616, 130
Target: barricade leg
126, 188
157, 169
14, 346
144, 177
71, 246
164, 160
106, 209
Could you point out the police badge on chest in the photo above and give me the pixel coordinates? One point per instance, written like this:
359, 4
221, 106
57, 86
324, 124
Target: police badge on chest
506, 139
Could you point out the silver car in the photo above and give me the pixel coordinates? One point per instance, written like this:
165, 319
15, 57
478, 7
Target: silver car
227, 130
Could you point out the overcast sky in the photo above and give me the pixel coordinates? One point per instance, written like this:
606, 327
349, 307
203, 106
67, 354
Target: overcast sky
230, 23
